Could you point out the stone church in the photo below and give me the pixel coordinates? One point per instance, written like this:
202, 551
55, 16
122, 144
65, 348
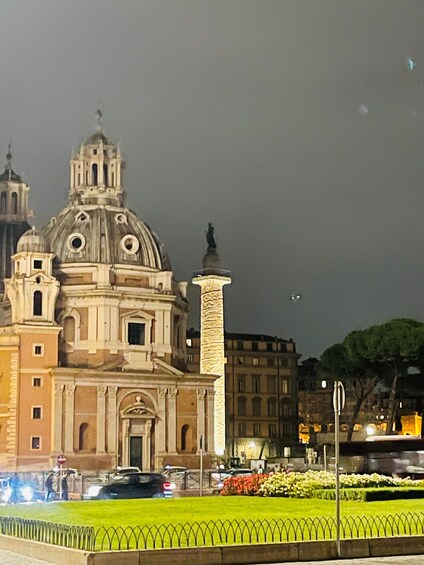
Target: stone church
93, 331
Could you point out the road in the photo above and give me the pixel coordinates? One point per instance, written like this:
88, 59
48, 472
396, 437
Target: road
404, 559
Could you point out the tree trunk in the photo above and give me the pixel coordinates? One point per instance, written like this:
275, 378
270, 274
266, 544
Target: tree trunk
392, 404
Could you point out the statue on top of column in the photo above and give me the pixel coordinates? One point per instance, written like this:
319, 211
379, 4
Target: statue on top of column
210, 238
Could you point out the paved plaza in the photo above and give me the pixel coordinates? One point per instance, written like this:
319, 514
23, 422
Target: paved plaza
404, 559
8, 558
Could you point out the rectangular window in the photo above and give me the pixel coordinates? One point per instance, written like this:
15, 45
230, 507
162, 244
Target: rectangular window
256, 384
190, 358
254, 346
241, 360
240, 345
287, 429
242, 430
36, 412
136, 333
271, 385
255, 361
241, 382
284, 362
38, 264
272, 429
36, 381
257, 430
35, 442
270, 362
285, 386
269, 347
38, 349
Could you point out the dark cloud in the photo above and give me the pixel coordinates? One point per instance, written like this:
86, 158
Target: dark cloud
247, 114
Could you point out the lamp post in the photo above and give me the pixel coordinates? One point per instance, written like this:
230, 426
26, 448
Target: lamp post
338, 404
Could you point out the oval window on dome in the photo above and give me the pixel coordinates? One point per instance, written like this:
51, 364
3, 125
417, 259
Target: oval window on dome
120, 219
130, 244
76, 242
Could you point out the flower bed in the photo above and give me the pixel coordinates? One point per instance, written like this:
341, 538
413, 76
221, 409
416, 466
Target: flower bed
307, 485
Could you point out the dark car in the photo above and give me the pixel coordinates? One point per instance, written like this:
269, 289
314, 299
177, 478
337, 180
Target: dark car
132, 485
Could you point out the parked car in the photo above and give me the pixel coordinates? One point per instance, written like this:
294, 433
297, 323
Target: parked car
132, 485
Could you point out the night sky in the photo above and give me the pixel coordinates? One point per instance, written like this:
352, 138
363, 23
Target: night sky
296, 127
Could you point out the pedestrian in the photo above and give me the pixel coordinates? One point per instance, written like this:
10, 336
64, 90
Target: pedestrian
65, 487
49, 487
14, 489
260, 470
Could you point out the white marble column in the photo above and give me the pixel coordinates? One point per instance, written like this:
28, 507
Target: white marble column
57, 419
201, 393
172, 421
101, 420
69, 418
210, 420
112, 422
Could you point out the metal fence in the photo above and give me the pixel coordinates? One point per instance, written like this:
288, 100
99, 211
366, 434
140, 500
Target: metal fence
212, 533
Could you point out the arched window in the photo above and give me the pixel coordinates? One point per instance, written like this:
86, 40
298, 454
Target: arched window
241, 406
3, 203
37, 306
94, 173
69, 328
256, 406
105, 172
272, 407
83, 437
14, 203
185, 437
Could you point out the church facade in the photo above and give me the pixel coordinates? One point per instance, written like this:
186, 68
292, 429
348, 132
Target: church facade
93, 336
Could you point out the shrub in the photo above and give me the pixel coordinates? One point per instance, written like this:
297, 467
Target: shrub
303, 485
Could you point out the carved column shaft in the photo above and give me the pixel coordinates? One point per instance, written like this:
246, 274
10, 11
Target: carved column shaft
112, 422
172, 420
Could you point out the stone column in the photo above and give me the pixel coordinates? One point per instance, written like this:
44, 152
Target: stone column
101, 420
69, 419
125, 442
210, 420
201, 393
147, 445
112, 422
161, 427
57, 419
172, 421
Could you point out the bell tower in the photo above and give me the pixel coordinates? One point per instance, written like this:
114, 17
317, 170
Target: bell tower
14, 213
32, 290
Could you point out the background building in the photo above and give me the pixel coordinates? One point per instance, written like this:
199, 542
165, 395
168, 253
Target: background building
261, 393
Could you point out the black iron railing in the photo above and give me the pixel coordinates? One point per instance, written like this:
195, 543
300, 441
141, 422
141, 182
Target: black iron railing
212, 533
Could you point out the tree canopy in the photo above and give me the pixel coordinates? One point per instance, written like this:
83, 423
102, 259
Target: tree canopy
385, 351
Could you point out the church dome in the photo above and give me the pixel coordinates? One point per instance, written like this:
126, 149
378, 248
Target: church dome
32, 241
104, 234
96, 227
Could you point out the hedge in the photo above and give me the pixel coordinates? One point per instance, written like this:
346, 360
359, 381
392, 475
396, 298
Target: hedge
370, 494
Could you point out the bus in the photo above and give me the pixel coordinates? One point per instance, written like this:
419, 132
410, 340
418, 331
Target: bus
395, 455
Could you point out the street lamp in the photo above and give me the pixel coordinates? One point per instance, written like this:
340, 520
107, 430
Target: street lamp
338, 404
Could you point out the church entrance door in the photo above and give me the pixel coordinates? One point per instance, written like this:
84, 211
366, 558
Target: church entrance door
136, 451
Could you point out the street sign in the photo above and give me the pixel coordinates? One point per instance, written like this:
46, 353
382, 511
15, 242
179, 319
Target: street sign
61, 459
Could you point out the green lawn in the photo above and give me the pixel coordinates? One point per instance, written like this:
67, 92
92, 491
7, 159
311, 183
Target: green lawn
194, 509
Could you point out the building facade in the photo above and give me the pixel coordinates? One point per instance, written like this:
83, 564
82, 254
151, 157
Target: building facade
260, 393
92, 337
